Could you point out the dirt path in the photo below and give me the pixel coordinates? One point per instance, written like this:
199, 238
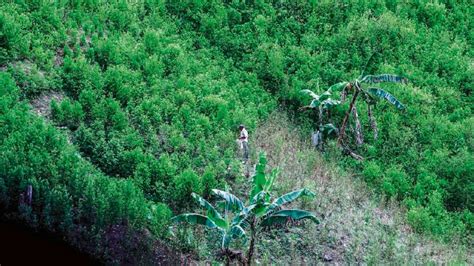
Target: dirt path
42, 104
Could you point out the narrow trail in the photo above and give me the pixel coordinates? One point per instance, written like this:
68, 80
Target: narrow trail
355, 228
42, 104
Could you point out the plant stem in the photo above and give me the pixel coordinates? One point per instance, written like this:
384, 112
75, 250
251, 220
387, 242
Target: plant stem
320, 128
373, 123
252, 242
344, 122
358, 128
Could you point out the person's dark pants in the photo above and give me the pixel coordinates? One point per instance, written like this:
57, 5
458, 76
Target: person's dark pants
245, 146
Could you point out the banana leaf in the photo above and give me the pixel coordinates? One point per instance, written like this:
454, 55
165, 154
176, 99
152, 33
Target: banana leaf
282, 216
261, 209
387, 96
194, 218
325, 95
328, 129
238, 219
316, 97
259, 180
330, 103
231, 200
271, 179
212, 213
383, 78
289, 197
338, 86
314, 103
310, 93
258, 197
237, 231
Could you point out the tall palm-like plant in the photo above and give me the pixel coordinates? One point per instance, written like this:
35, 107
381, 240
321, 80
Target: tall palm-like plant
267, 212
260, 212
323, 103
229, 223
370, 95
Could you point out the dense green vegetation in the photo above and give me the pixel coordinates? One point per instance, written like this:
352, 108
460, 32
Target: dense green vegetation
424, 155
154, 91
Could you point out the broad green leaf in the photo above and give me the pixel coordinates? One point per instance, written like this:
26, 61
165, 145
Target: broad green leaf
328, 103
259, 197
387, 96
259, 180
282, 216
328, 129
261, 209
310, 93
271, 179
383, 78
325, 95
317, 99
274, 220
290, 197
242, 215
194, 218
212, 213
231, 200
237, 231
338, 86
234, 233
315, 103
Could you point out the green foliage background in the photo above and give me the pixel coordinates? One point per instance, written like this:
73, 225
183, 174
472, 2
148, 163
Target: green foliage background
424, 155
155, 90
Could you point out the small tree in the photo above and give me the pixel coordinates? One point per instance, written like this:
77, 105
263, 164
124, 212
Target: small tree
323, 103
267, 212
229, 224
237, 219
370, 95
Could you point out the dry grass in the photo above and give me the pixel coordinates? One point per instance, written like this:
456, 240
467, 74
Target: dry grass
355, 228
42, 104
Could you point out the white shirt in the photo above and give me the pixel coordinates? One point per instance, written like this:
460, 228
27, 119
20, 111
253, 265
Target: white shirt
244, 135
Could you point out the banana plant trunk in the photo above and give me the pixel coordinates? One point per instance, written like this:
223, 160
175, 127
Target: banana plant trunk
343, 95
346, 118
358, 128
373, 123
321, 147
252, 242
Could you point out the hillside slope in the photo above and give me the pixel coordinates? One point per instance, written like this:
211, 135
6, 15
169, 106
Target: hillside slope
423, 156
356, 226
112, 113
150, 116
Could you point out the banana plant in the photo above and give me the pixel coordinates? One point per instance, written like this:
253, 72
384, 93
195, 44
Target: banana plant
261, 211
229, 224
323, 103
370, 96
266, 212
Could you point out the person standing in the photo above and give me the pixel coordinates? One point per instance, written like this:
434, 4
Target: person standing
244, 142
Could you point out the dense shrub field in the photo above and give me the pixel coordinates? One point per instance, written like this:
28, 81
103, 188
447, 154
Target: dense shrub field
424, 156
154, 92
152, 116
